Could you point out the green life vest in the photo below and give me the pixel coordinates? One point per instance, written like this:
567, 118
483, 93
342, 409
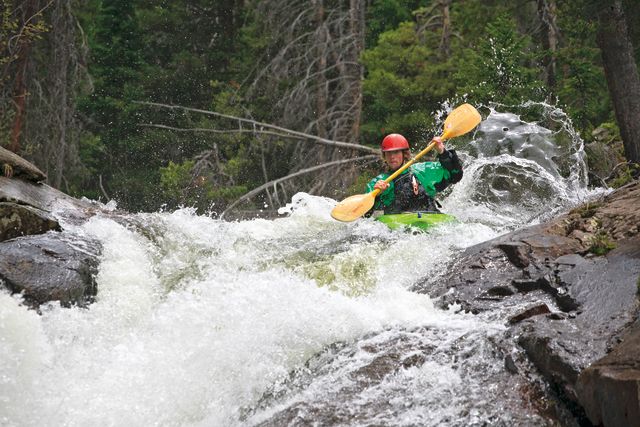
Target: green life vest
433, 176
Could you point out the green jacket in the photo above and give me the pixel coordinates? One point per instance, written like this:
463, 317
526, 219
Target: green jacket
433, 176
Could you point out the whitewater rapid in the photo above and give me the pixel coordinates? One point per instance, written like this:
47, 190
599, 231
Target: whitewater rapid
203, 322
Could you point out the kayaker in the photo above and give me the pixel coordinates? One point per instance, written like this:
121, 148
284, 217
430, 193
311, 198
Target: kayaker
413, 190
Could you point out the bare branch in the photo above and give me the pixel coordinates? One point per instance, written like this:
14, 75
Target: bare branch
301, 135
104, 192
222, 131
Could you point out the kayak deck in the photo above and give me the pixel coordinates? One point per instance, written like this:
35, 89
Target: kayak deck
421, 220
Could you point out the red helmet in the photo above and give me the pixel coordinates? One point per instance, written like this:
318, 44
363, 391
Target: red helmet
393, 142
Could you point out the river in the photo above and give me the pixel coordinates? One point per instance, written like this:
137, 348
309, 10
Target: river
298, 319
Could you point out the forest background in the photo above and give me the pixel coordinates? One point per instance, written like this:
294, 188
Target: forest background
241, 103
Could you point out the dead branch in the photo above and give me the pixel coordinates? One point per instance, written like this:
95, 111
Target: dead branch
292, 133
221, 131
104, 192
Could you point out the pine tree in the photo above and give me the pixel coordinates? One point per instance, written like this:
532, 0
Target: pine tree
501, 68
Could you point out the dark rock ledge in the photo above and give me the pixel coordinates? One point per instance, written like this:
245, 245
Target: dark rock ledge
578, 279
38, 257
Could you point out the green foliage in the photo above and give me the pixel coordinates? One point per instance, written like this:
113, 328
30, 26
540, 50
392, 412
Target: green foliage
501, 67
116, 64
175, 179
360, 183
164, 52
8, 27
14, 33
187, 43
601, 243
625, 175
404, 84
610, 132
90, 147
387, 15
179, 187
200, 53
470, 16
587, 210
581, 87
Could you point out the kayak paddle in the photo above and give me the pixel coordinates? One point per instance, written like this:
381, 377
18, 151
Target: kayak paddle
460, 121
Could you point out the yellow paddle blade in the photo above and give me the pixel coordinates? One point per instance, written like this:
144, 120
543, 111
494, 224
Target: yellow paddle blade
460, 121
354, 207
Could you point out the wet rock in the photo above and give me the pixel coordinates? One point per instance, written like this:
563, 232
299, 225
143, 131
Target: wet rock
517, 253
536, 310
609, 389
557, 316
603, 155
47, 263
556, 350
469, 286
501, 291
396, 371
530, 285
413, 360
598, 296
20, 220
570, 260
510, 364
50, 267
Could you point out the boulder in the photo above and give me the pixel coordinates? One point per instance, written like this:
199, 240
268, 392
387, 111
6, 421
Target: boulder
50, 267
603, 290
38, 257
609, 389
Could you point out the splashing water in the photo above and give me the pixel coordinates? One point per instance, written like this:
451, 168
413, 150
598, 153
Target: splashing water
204, 322
520, 172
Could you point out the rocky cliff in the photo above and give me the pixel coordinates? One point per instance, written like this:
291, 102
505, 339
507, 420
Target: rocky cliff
578, 277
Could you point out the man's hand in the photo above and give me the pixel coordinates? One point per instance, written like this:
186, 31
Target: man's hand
381, 185
439, 144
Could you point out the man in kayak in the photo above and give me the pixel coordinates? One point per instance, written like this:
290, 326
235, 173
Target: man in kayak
415, 188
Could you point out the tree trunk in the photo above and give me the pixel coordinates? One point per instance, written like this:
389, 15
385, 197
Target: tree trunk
19, 95
547, 13
621, 73
445, 41
321, 89
63, 41
19, 100
357, 17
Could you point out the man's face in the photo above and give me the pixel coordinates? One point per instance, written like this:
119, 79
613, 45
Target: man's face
394, 159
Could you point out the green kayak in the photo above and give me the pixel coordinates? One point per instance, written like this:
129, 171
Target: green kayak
421, 220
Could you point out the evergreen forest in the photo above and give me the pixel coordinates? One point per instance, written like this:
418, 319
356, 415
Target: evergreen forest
238, 104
